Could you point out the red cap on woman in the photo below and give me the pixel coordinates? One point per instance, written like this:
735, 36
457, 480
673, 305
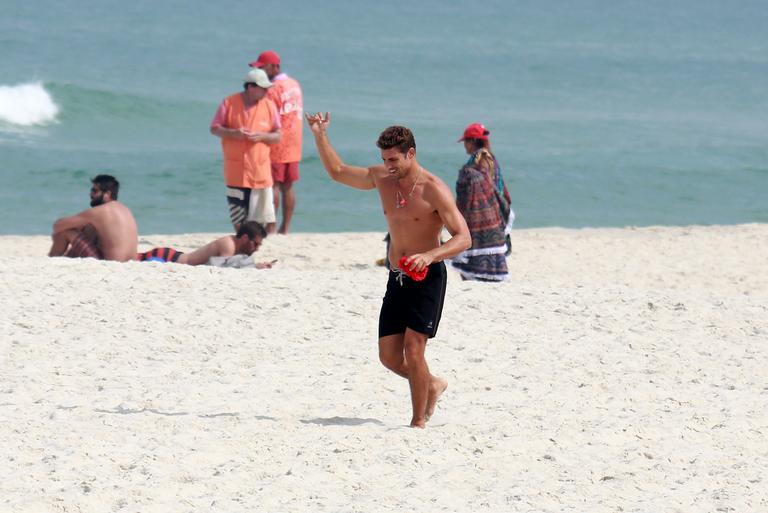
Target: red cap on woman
475, 131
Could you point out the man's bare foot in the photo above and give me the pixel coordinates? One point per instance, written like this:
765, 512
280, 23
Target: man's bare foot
419, 423
436, 388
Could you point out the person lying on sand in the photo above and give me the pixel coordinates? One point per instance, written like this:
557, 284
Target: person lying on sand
246, 241
106, 231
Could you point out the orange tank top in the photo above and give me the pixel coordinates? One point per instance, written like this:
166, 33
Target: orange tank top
247, 163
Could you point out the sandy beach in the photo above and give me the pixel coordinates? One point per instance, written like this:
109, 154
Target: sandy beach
619, 370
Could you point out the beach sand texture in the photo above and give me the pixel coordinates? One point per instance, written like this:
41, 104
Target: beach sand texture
618, 370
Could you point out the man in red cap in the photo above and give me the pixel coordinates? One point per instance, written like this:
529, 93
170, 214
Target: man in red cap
286, 155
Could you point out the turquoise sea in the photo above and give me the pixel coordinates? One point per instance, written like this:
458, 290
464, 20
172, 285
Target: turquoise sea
601, 113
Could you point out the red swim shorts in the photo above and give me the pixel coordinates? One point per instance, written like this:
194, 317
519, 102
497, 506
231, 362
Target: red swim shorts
285, 172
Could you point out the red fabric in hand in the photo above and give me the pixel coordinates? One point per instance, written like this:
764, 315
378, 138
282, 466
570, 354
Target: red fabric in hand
414, 275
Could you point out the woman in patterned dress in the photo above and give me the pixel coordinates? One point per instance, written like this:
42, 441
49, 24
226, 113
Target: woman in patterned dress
483, 199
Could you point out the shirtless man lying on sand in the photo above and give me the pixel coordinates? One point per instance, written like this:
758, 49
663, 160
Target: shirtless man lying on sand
106, 231
246, 241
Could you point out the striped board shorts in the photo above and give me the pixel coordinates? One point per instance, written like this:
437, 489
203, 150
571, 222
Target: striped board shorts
250, 205
83, 247
157, 254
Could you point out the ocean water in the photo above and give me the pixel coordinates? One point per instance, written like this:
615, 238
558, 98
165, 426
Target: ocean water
601, 113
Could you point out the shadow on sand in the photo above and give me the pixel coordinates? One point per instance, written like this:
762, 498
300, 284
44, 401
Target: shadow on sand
342, 421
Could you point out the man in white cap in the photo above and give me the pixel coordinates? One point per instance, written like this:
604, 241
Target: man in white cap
247, 124
286, 155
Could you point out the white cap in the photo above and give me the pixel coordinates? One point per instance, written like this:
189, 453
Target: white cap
258, 77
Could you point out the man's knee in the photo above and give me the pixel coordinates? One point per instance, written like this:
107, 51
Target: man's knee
391, 352
66, 235
89, 231
390, 360
414, 343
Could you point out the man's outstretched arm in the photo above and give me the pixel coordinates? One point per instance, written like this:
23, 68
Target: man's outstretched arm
353, 176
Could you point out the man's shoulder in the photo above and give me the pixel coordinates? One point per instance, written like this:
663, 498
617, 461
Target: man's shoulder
285, 84
100, 211
232, 97
435, 187
284, 77
225, 246
433, 180
289, 85
378, 171
231, 100
116, 207
103, 208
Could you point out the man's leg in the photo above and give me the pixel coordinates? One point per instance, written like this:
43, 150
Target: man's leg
276, 197
61, 242
403, 354
391, 354
289, 204
418, 375
270, 214
77, 243
278, 175
261, 207
238, 200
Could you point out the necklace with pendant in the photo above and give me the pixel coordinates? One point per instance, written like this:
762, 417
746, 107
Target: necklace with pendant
400, 200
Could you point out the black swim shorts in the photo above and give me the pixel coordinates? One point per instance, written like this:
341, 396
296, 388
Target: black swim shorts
413, 304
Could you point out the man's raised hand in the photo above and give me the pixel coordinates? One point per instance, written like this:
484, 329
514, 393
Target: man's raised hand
318, 122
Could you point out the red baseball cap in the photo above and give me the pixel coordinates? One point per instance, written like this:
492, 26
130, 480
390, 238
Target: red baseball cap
475, 131
268, 57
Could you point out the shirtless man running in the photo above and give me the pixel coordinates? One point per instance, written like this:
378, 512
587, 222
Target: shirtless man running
106, 231
417, 205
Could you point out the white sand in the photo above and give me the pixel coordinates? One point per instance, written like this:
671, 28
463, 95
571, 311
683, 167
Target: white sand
619, 370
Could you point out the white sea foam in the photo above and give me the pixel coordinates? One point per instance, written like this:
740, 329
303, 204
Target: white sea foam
27, 105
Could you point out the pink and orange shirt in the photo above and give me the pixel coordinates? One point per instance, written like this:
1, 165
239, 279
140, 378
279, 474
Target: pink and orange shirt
286, 93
